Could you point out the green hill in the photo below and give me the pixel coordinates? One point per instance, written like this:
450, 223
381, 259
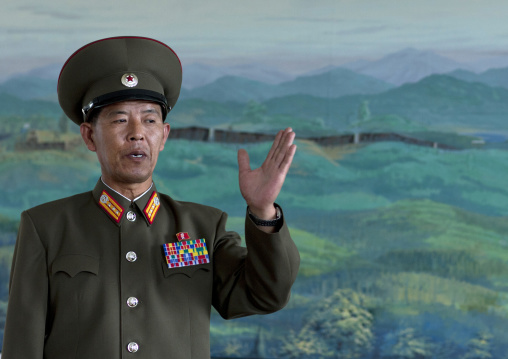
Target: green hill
438, 101
372, 176
234, 89
197, 112
30, 87
422, 236
334, 83
492, 77
13, 106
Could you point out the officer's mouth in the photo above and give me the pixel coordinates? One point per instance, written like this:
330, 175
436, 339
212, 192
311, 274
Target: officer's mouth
137, 155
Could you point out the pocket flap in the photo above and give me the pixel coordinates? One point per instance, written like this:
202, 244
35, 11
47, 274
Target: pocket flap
187, 271
73, 264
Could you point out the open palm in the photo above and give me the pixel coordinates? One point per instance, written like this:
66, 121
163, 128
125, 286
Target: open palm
261, 186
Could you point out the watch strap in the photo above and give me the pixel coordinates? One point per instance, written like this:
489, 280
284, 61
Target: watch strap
266, 223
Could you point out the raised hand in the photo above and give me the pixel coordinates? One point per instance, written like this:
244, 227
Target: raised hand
261, 186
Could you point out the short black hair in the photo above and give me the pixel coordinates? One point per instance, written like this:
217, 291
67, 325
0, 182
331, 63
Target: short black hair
92, 118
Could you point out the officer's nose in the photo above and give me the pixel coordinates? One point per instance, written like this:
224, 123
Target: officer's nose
135, 131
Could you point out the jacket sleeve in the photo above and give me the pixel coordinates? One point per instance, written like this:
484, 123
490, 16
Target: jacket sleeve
28, 292
256, 279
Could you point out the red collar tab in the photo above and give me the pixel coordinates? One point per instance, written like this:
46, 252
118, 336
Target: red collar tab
152, 207
111, 207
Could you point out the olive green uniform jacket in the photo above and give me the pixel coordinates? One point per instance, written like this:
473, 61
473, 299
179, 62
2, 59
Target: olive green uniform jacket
89, 280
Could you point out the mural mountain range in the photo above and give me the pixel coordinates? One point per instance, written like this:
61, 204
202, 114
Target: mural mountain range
436, 95
437, 101
402, 246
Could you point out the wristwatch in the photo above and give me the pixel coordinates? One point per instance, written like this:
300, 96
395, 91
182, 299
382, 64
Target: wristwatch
270, 223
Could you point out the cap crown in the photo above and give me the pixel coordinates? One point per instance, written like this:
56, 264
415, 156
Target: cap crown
118, 69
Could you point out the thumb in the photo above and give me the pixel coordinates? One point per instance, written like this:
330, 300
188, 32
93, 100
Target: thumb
243, 161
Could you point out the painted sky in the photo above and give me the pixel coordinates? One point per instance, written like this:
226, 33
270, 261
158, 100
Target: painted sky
297, 35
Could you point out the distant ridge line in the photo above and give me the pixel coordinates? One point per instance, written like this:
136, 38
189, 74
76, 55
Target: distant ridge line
205, 134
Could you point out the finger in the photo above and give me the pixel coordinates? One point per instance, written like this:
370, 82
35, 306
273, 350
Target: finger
285, 148
281, 143
243, 161
287, 137
288, 159
275, 144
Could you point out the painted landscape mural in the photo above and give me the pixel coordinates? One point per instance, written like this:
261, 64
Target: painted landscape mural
397, 196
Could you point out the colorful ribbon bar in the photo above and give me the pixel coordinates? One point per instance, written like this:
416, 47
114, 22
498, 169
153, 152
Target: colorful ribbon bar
186, 253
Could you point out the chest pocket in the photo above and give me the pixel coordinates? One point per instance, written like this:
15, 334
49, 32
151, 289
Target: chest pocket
188, 271
73, 264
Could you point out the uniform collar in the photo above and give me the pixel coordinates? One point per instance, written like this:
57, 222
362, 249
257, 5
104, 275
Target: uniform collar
115, 205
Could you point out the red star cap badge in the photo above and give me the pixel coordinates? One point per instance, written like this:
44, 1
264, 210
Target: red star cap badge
129, 80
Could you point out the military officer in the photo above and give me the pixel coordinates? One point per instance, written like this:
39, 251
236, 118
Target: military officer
124, 271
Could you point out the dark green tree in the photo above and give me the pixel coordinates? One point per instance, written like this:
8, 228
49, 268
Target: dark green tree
479, 347
260, 349
405, 344
339, 326
445, 350
305, 344
364, 112
363, 116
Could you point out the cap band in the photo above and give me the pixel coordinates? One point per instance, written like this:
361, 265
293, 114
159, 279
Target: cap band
125, 95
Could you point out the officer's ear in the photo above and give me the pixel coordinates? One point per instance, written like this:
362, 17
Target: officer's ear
86, 129
165, 134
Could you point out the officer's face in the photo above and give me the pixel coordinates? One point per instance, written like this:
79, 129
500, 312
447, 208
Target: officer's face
127, 137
